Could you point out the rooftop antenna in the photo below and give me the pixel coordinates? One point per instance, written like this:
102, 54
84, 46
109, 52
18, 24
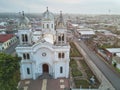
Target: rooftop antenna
61, 12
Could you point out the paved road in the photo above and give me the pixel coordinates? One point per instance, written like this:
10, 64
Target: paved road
105, 69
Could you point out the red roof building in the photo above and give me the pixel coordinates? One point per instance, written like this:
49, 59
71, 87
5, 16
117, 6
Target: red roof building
5, 37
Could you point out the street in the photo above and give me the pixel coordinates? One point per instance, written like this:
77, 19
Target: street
104, 68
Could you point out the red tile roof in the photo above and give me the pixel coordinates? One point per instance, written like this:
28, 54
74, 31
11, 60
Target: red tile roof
5, 37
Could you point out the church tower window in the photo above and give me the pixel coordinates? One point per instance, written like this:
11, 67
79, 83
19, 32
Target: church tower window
59, 38
24, 38
61, 69
26, 56
61, 55
28, 71
63, 37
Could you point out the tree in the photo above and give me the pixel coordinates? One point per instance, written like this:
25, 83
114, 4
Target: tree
9, 72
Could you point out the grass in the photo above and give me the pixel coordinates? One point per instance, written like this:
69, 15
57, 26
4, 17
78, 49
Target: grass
73, 51
82, 82
89, 73
118, 70
73, 64
76, 73
85, 66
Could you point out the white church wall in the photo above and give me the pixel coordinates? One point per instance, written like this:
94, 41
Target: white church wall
43, 56
35, 38
58, 71
51, 27
26, 71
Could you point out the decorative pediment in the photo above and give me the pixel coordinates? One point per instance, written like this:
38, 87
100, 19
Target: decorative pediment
42, 44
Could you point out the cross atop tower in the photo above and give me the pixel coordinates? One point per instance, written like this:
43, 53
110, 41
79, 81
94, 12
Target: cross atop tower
23, 13
60, 12
47, 9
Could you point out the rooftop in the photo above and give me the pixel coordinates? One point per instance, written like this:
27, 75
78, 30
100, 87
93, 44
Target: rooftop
5, 37
113, 50
87, 32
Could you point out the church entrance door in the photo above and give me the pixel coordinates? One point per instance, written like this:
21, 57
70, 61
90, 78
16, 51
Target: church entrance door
45, 68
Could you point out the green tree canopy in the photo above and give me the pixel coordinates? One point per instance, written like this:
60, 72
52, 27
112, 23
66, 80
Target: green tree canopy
9, 72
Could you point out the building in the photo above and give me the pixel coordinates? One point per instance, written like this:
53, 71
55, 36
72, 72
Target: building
116, 60
43, 51
7, 40
86, 33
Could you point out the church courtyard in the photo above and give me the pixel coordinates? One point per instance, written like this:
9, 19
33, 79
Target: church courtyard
45, 84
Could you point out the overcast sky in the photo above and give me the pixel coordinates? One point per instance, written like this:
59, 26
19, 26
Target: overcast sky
67, 6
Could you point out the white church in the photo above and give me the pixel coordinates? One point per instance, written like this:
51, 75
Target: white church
43, 51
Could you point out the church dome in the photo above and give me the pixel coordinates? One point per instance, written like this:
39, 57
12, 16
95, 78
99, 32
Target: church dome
47, 16
24, 22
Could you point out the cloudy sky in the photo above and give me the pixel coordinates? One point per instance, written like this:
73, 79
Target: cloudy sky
67, 6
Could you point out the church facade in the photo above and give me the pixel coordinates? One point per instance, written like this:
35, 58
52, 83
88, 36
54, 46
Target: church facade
43, 51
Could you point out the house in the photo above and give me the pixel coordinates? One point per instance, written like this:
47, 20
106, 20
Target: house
6, 40
45, 51
111, 52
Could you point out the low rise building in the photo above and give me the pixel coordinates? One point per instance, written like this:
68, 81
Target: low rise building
6, 40
86, 33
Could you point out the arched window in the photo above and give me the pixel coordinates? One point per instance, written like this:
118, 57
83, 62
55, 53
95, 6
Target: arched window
23, 38
26, 56
61, 69
47, 25
63, 37
59, 55
43, 25
52, 25
63, 55
26, 37
28, 71
59, 38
